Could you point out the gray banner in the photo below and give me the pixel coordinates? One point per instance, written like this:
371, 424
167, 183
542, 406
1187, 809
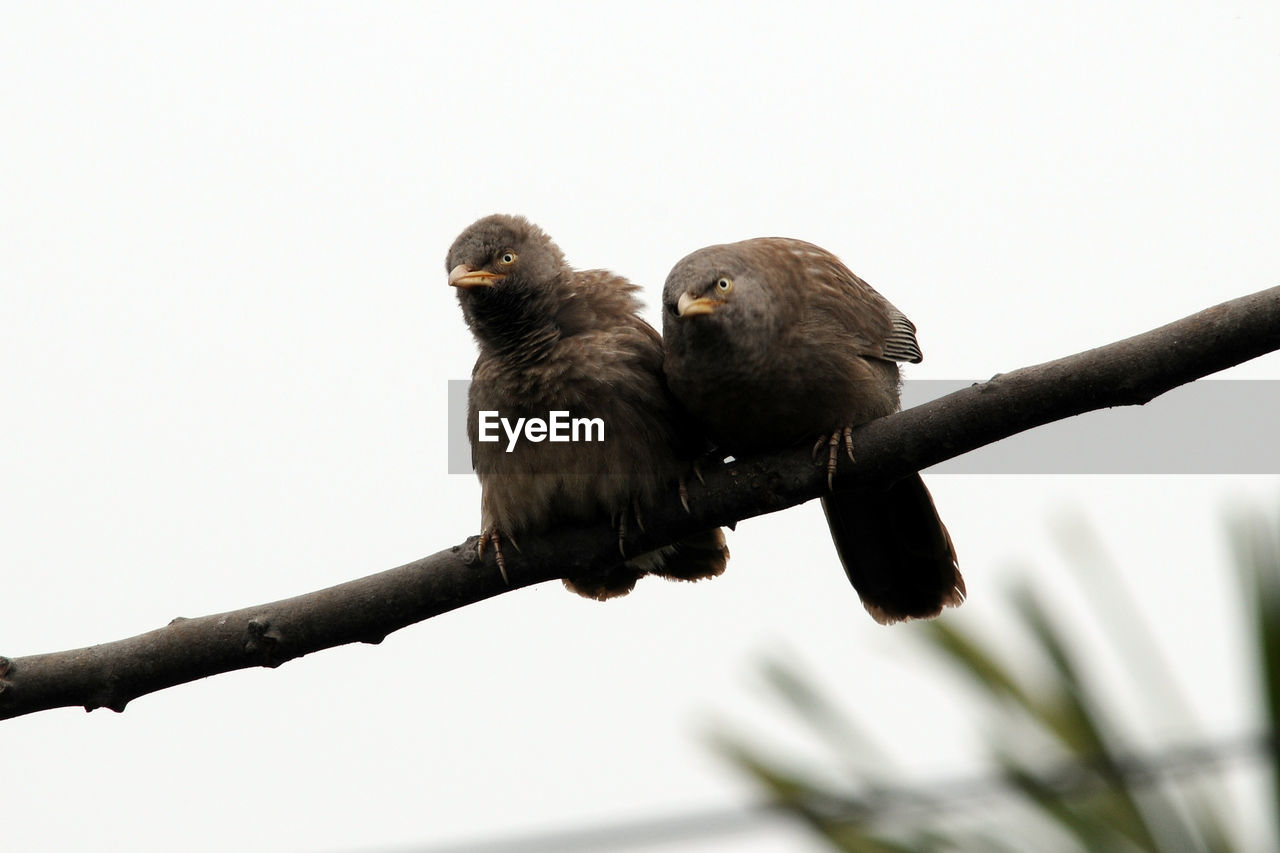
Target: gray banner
1214, 426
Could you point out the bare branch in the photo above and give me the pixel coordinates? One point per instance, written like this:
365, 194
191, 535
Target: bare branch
1129, 372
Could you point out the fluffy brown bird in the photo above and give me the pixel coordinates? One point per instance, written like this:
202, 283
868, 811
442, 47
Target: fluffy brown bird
773, 341
554, 339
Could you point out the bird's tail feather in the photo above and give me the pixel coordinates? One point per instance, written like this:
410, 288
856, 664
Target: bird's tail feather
701, 555
896, 551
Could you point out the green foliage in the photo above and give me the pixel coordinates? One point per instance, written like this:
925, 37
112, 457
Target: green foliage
1256, 542
1096, 793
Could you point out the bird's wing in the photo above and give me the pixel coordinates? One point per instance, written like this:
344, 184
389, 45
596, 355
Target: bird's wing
838, 300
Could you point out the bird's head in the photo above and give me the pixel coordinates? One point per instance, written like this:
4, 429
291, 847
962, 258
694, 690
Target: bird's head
506, 270
502, 251
721, 290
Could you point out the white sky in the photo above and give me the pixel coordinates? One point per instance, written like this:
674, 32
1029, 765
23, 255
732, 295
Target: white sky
227, 335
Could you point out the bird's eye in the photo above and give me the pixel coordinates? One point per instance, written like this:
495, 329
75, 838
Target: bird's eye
724, 284
507, 258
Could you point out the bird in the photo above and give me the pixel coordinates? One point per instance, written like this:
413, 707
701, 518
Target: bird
556, 339
773, 341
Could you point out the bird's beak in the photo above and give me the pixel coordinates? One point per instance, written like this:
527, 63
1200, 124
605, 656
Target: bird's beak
694, 306
465, 277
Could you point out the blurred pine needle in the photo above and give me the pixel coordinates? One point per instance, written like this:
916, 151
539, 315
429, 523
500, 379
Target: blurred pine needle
1068, 780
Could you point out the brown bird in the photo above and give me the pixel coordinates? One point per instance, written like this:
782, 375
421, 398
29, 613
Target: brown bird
554, 339
773, 341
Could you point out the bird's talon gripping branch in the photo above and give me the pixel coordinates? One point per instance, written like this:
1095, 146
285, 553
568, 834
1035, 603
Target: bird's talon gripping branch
832, 443
493, 535
832, 455
848, 443
839, 437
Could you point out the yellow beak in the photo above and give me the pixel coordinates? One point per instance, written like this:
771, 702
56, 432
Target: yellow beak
465, 277
691, 306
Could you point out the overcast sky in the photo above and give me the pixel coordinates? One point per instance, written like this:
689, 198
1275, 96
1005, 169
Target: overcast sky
227, 337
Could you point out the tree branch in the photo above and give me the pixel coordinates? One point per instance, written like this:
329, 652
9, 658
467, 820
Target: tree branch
1129, 372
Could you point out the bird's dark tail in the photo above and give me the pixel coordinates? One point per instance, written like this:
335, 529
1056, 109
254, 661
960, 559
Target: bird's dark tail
694, 558
699, 556
896, 551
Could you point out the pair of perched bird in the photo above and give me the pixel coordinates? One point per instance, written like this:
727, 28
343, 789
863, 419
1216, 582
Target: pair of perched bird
766, 343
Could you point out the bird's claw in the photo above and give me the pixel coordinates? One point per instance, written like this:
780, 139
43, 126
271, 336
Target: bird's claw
620, 519
833, 443
496, 538
683, 481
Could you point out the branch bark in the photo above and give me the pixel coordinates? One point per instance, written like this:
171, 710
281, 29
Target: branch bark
1129, 372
